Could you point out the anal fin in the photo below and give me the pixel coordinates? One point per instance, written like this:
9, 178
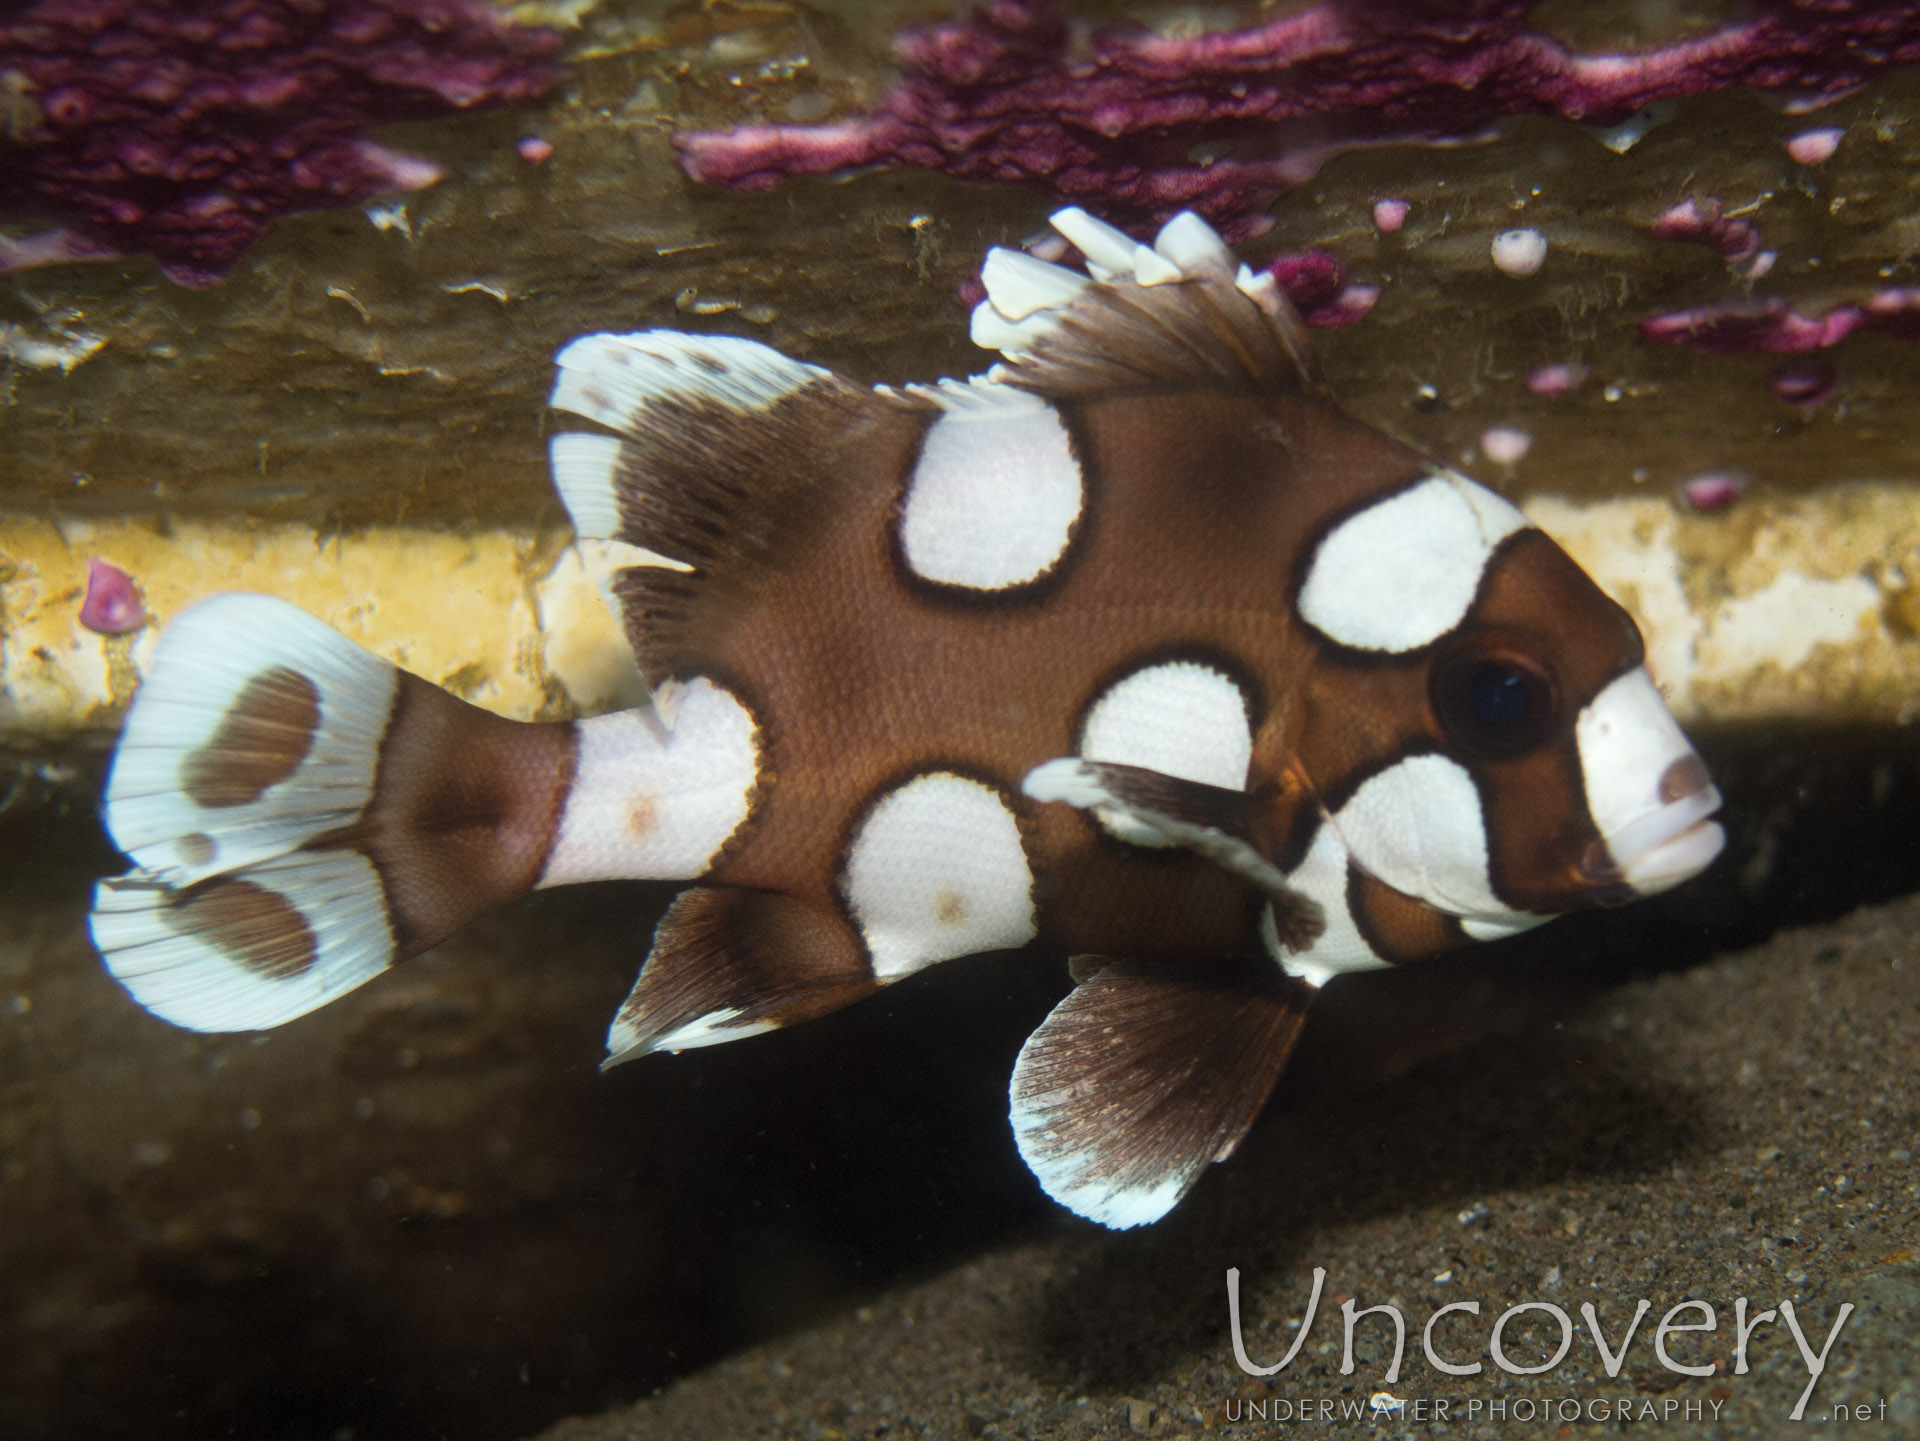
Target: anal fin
729, 962
1146, 1073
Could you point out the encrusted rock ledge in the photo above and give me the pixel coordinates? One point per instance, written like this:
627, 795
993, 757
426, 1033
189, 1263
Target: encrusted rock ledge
1801, 607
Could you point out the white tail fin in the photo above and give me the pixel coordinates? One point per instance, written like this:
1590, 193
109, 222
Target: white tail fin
302, 814
258, 729
246, 951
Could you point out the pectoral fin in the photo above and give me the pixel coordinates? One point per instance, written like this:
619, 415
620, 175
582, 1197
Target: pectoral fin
1144, 1074
1208, 820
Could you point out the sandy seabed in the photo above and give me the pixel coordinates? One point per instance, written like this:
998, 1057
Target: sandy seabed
1745, 1128
421, 1213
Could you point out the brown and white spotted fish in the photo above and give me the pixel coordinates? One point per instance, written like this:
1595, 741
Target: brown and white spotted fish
1135, 651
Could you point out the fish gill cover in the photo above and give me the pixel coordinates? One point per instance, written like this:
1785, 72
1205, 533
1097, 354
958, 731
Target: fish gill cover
181, 130
1143, 125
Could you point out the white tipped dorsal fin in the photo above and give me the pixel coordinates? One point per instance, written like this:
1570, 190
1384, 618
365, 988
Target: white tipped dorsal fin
1018, 284
977, 397
990, 330
1109, 251
1194, 246
716, 464
614, 379
1150, 267
1180, 310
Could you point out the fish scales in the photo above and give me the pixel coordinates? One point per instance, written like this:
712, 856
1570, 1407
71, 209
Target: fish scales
1134, 650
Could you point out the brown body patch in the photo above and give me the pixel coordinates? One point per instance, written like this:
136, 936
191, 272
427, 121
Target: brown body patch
1396, 926
464, 810
252, 926
857, 679
262, 739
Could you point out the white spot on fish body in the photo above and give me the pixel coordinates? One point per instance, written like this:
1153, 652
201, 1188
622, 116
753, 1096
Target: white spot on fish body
1340, 948
937, 870
1418, 826
1180, 718
652, 804
1402, 572
994, 496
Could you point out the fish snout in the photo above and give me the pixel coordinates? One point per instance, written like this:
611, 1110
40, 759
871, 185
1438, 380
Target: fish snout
1648, 791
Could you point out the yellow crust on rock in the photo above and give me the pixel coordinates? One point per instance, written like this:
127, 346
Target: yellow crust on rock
1805, 607
465, 610
1779, 608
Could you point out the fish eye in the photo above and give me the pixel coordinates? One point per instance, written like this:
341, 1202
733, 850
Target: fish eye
1497, 694
1492, 706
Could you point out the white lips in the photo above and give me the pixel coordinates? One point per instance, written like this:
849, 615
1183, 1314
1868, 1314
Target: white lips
1628, 742
1669, 845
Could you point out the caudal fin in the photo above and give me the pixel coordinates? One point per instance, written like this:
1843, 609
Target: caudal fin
301, 815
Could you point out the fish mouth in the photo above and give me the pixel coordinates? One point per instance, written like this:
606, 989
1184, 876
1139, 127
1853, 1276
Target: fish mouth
1660, 849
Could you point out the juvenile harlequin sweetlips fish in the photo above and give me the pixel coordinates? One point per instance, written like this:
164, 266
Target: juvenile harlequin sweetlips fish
1135, 650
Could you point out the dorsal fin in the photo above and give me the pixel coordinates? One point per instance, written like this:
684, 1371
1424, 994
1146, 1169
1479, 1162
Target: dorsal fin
1180, 312
729, 460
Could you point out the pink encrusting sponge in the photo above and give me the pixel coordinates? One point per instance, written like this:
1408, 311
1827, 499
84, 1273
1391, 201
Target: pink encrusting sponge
113, 605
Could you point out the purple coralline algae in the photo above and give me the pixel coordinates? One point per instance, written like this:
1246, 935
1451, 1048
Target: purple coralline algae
1701, 220
181, 129
1814, 147
112, 605
1807, 384
1774, 326
1389, 215
1140, 126
1715, 491
1316, 282
1557, 379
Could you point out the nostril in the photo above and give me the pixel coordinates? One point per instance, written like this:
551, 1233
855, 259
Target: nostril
1597, 866
1683, 778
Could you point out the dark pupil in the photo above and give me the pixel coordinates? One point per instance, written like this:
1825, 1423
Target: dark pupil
1497, 695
